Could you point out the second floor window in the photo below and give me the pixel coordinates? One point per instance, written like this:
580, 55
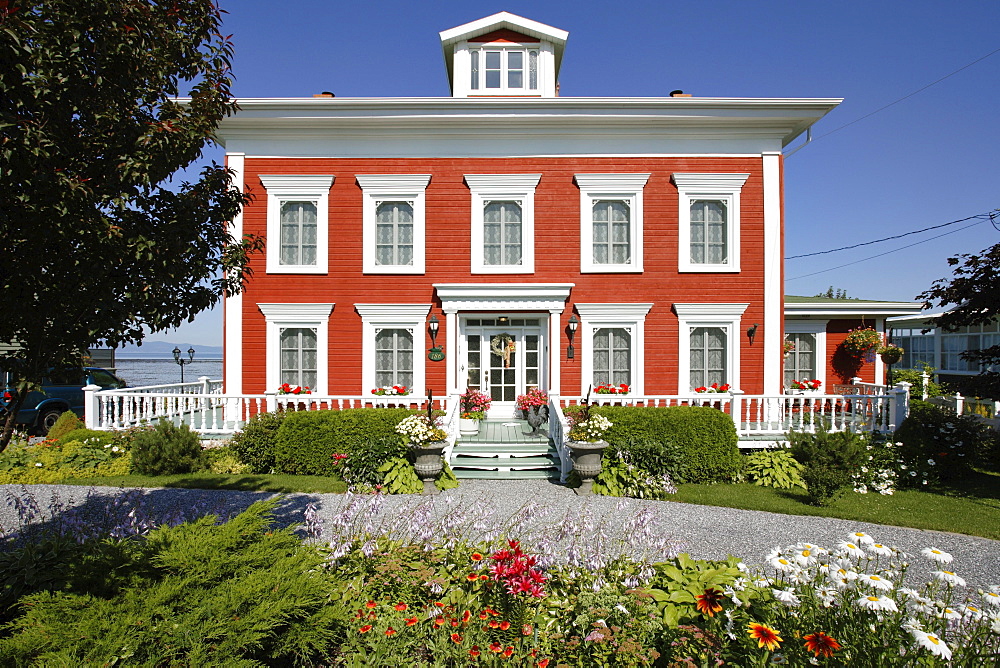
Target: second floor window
394, 233
298, 233
502, 240
612, 235
709, 232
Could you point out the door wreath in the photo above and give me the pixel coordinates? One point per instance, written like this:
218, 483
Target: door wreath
503, 345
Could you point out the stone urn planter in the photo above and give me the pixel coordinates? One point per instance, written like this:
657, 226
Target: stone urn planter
586, 457
468, 426
428, 465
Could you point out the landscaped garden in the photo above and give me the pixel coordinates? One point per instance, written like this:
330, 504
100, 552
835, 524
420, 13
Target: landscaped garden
119, 580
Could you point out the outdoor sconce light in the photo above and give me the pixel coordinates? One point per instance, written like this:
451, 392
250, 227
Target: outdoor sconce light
435, 354
752, 332
179, 360
573, 324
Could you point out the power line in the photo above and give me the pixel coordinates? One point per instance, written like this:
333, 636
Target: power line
989, 215
917, 243
895, 102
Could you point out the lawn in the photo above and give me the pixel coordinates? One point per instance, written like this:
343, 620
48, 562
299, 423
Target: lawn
277, 482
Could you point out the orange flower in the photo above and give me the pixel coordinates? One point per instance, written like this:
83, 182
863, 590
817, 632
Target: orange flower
496, 647
543, 663
371, 604
483, 614
504, 625
438, 621
508, 652
365, 629
410, 621
821, 644
472, 577
455, 638
476, 556
492, 612
400, 607
493, 624
708, 603
765, 636
484, 577
390, 631
466, 616
474, 652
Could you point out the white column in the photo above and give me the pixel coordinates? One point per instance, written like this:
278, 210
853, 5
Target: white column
452, 351
773, 273
91, 409
879, 364
232, 307
555, 347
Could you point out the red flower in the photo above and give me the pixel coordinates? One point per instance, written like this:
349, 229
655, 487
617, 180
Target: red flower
508, 652
496, 647
708, 603
821, 644
466, 616
527, 630
765, 636
472, 577
371, 604
390, 631
504, 625
400, 607
411, 621
365, 629
476, 556
456, 638
474, 652
543, 663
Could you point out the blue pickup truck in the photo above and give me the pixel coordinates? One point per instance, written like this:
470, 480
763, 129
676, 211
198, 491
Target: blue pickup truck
62, 391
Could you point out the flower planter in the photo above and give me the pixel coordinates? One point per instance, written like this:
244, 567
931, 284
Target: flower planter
468, 426
891, 357
586, 462
428, 465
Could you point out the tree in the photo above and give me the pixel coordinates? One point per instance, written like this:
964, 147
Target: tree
974, 289
835, 293
96, 244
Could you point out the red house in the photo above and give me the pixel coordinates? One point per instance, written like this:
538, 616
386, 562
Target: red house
557, 242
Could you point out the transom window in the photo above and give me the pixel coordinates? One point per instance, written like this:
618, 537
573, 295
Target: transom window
502, 234
612, 237
708, 353
709, 235
394, 358
800, 362
504, 69
298, 346
394, 233
298, 233
612, 356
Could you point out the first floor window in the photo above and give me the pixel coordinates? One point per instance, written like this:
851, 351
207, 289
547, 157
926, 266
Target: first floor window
612, 356
298, 233
298, 356
800, 364
394, 358
502, 233
612, 236
709, 233
394, 233
708, 353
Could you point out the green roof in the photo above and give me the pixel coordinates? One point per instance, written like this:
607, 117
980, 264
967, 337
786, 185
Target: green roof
795, 299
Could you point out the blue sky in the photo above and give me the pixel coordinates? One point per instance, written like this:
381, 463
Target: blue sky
928, 160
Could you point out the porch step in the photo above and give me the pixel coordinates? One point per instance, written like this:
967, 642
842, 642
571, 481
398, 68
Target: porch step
535, 474
513, 461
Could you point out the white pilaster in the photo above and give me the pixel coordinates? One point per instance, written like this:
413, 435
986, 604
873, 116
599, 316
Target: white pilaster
232, 307
773, 273
555, 348
452, 351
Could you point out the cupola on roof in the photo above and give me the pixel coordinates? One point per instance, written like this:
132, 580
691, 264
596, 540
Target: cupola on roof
503, 55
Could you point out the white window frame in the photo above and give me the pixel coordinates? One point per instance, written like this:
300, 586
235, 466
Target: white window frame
818, 328
630, 317
283, 188
723, 188
618, 187
375, 317
505, 48
287, 316
519, 188
724, 316
393, 188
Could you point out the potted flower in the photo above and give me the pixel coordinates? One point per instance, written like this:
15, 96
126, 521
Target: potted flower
787, 347
862, 341
608, 388
714, 388
391, 391
586, 443
890, 353
534, 405
428, 442
806, 385
474, 407
288, 388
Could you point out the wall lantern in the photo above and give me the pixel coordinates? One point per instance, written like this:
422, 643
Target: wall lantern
435, 354
752, 332
180, 360
573, 324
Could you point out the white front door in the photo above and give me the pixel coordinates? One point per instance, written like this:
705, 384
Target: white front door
503, 359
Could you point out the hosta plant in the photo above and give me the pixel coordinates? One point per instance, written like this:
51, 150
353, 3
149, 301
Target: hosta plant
774, 468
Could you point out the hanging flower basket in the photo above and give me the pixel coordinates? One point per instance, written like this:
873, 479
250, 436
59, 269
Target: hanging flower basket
861, 342
890, 353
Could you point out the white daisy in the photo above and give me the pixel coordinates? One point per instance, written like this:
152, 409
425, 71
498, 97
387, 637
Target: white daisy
880, 550
931, 642
861, 537
875, 582
937, 555
786, 596
908, 592
991, 597
911, 624
826, 595
850, 549
949, 578
805, 556
781, 564
921, 605
971, 612
878, 603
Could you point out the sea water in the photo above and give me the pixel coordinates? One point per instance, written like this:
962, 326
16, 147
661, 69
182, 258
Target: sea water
141, 372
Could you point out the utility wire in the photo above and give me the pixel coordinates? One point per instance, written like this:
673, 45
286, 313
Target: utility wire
905, 97
916, 243
990, 215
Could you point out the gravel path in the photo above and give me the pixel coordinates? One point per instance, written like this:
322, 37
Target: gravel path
705, 532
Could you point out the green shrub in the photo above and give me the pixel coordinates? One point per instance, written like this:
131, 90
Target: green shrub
640, 469
774, 468
224, 461
704, 438
363, 468
828, 459
308, 440
48, 462
915, 378
82, 434
66, 423
953, 442
255, 444
166, 449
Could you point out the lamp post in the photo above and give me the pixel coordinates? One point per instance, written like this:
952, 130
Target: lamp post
435, 354
573, 324
180, 360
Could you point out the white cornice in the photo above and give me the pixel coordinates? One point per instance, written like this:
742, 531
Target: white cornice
297, 182
499, 21
693, 311
709, 183
304, 312
393, 183
392, 312
846, 310
627, 182
486, 183
503, 296
597, 312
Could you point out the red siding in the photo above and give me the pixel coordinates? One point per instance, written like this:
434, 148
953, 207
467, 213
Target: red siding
505, 35
557, 258
841, 367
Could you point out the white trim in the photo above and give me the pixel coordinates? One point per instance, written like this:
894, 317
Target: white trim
719, 187
390, 187
457, 297
622, 187
411, 317
725, 316
286, 316
631, 317
294, 187
817, 328
774, 264
486, 188
232, 307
